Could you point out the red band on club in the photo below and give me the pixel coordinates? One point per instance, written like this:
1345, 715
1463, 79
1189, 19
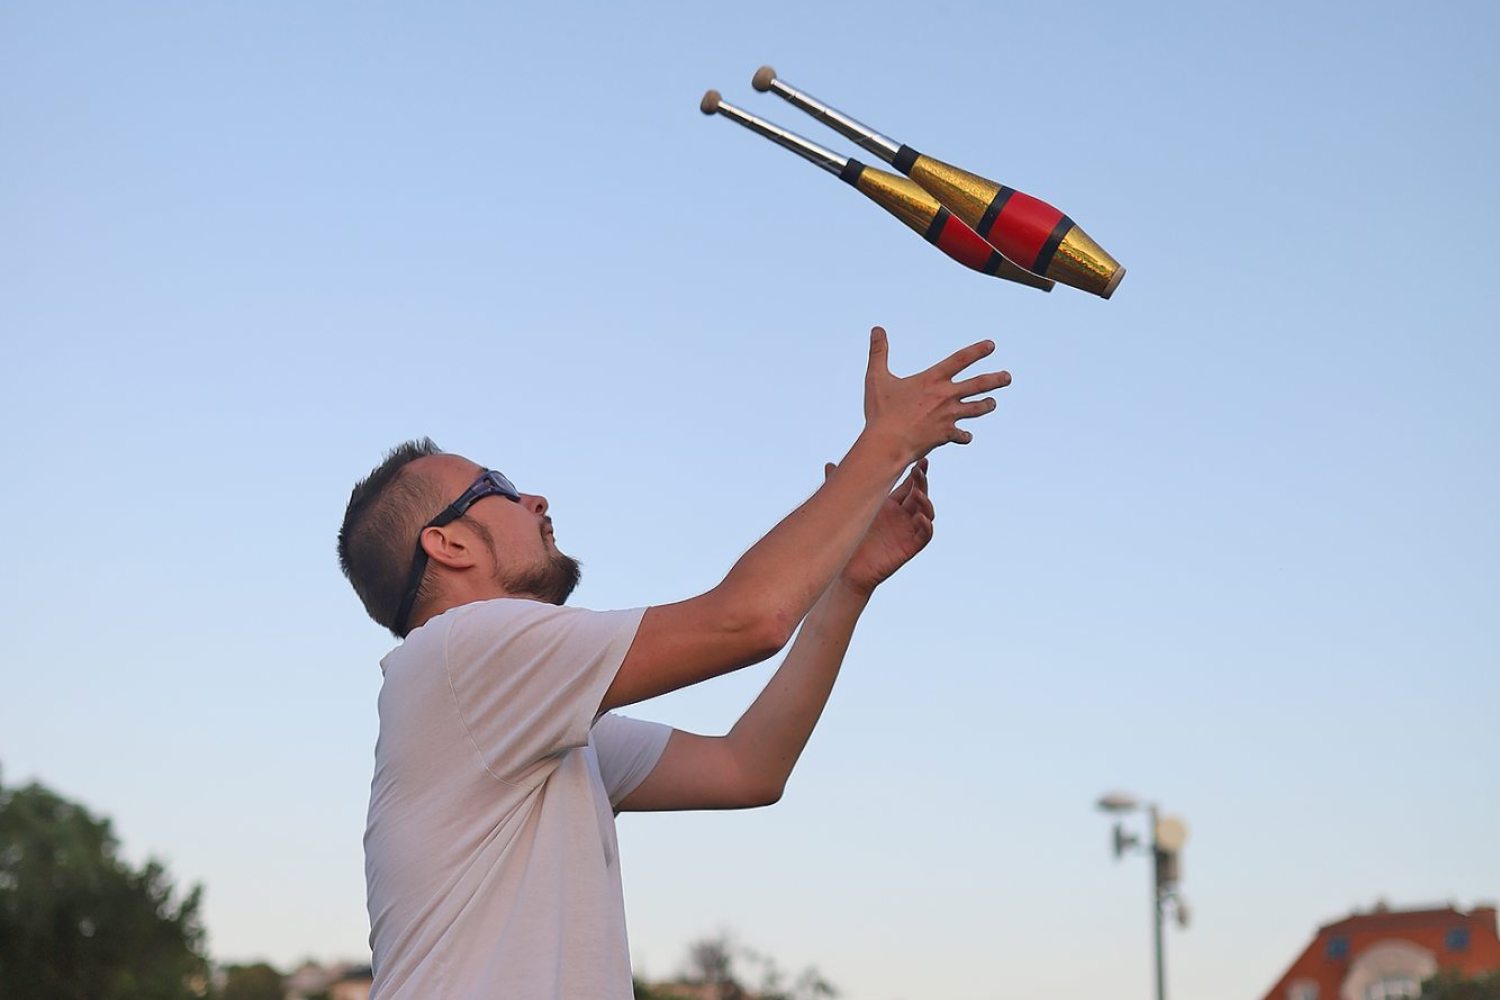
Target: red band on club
1021, 229
963, 244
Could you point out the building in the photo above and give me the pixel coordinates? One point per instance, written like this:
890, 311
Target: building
1385, 954
353, 984
340, 981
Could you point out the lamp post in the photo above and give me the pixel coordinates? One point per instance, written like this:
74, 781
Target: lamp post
1168, 834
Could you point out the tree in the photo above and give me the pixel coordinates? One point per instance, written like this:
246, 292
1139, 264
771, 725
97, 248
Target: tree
77, 922
1451, 985
711, 964
251, 982
644, 991
717, 969
809, 984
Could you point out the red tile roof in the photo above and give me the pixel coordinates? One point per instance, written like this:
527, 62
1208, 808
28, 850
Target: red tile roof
1428, 928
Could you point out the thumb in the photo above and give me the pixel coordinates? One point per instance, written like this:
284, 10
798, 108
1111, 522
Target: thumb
879, 349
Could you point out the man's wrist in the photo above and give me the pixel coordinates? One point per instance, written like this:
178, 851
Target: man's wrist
884, 447
851, 589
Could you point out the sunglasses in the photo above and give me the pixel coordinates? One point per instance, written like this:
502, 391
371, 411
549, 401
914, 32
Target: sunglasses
489, 484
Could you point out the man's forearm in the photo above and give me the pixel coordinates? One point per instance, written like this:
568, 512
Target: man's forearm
750, 616
770, 736
784, 573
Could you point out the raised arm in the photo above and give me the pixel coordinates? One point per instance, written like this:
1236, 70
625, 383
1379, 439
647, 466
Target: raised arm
750, 766
752, 614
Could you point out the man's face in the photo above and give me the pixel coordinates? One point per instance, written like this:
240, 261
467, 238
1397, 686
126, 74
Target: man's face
516, 535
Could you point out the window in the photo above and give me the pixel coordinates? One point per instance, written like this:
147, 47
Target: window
1457, 939
1303, 989
1396, 987
1338, 947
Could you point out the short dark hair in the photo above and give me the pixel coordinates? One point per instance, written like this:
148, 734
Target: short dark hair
378, 539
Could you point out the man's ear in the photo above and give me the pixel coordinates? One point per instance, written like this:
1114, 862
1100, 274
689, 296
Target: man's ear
448, 547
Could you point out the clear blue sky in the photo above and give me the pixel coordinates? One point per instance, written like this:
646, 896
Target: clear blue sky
1230, 541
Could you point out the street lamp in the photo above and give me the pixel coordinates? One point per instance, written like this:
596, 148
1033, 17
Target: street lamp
1168, 834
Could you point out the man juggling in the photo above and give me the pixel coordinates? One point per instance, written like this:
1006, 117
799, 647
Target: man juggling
490, 850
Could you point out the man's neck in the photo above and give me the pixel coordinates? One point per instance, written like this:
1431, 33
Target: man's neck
473, 596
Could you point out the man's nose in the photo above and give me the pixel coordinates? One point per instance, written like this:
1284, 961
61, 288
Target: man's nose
534, 503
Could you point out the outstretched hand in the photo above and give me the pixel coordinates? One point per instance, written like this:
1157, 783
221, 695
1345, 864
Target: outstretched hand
920, 412
901, 529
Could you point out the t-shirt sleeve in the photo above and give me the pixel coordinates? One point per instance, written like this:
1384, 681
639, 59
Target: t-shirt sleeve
627, 750
527, 678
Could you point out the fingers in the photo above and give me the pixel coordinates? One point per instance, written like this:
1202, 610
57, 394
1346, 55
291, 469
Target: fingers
916, 478
977, 408
958, 436
915, 483
917, 502
960, 359
918, 499
987, 382
904, 488
880, 349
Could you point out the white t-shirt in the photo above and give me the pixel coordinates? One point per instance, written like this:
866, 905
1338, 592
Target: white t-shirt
490, 853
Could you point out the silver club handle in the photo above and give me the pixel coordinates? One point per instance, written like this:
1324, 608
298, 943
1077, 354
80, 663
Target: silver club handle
828, 160
862, 135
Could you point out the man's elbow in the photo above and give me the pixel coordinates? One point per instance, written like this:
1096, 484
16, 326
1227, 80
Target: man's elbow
758, 620
770, 631
767, 643
766, 793
758, 635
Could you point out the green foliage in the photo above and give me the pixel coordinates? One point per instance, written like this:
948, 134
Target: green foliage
645, 992
251, 982
77, 922
1449, 985
720, 969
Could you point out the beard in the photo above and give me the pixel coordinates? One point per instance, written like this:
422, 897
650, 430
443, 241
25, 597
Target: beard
550, 583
